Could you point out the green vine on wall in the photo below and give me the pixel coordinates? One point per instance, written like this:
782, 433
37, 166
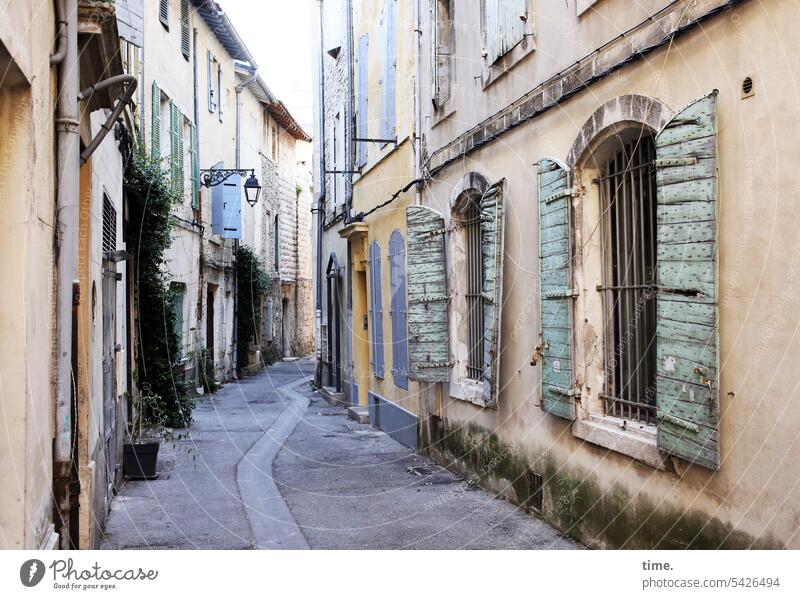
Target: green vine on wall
150, 200
252, 282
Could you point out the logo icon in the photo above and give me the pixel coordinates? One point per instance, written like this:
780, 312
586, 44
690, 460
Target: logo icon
31, 572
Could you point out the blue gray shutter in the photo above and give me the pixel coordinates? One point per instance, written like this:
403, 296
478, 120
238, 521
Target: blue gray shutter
363, 87
686, 266
504, 26
397, 270
376, 310
217, 209
555, 251
155, 122
211, 75
232, 207
220, 92
389, 79
428, 329
492, 233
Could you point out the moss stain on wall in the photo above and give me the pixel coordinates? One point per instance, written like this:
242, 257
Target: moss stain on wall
574, 502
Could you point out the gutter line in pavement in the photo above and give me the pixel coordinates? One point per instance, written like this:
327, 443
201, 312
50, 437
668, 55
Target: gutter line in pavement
271, 521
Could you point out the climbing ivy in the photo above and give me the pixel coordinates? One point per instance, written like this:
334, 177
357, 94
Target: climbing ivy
252, 282
150, 199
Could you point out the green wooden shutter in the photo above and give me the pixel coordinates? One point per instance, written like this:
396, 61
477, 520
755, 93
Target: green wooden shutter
686, 266
195, 166
492, 230
155, 122
428, 329
176, 147
557, 294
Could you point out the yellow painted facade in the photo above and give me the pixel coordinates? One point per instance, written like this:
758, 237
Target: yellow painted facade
388, 170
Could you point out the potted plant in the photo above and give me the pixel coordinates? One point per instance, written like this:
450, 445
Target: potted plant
145, 433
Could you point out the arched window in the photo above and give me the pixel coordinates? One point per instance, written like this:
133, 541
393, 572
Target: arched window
399, 311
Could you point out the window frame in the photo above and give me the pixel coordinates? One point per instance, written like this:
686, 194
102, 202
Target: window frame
492, 71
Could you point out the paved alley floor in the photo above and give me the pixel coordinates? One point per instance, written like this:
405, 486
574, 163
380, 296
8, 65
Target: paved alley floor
270, 464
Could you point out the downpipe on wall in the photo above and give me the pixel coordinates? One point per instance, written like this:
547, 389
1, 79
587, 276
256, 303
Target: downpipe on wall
68, 165
319, 207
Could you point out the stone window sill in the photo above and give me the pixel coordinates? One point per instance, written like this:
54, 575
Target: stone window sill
508, 61
467, 390
443, 114
635, 440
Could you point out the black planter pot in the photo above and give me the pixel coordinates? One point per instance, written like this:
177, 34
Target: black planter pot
139, 460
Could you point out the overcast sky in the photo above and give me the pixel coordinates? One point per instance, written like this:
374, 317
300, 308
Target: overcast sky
278, 35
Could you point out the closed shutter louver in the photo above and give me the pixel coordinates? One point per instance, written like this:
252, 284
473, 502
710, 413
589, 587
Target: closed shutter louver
428, 328
185, 34
686, 276
176, 147
155, 122
363, 87
163, 13
492, 230
557, 295
504, 25
376, 310
231, 207
389, 79
397, 267
212, 77
195, 166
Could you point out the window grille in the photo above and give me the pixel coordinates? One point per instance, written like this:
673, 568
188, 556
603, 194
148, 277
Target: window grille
628, 196
472, 235
109, 226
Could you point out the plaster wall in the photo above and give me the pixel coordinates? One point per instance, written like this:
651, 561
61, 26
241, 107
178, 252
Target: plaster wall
27, 269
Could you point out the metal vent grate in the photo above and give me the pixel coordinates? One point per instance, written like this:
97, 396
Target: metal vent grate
109, 226
537, 490
747, 87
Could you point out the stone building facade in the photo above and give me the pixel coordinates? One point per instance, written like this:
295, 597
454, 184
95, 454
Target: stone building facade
333, 116
597, 323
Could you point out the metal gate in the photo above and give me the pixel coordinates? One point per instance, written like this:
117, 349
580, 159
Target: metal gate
109, 291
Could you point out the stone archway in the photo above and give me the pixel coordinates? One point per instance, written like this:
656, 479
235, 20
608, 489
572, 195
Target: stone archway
630, 108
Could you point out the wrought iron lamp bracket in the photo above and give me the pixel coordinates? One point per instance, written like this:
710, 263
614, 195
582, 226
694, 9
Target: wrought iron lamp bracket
216, 176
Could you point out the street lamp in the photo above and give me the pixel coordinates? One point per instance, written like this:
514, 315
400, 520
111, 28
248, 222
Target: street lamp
252, 189
215, 176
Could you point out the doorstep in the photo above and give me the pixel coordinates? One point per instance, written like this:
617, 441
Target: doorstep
359, 413
333, 397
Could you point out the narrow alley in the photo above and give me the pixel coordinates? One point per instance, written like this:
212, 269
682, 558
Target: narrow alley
268, 463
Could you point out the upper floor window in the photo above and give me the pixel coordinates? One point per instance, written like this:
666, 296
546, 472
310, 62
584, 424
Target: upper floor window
389, 73
443, 45
185, 31
163, 13
503, 26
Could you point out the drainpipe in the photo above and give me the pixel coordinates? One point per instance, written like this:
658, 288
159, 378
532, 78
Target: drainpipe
68, 142
238, 89
319, 207
417, 102
199, 216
